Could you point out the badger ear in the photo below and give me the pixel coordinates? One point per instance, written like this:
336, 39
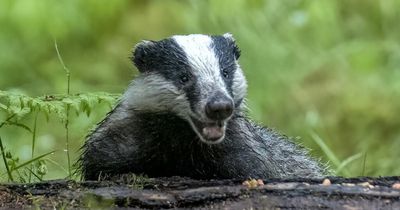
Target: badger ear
141, 53
232, 41
229, 36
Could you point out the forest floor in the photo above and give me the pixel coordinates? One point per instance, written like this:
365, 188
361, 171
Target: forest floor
178, 192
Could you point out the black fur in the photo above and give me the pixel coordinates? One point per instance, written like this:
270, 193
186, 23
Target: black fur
227, 53
161, 144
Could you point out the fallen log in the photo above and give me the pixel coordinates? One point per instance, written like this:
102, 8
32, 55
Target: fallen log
178, 192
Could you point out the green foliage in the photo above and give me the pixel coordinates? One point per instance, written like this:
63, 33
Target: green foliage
17, 106
12, 165
339, 166
6, 155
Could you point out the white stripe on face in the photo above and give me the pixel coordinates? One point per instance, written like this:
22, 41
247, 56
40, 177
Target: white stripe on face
239, 85
202, 59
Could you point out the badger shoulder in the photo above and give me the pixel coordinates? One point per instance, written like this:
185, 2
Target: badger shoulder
271, 153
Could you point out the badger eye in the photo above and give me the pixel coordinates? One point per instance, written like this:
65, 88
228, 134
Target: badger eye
225, 73
184, 79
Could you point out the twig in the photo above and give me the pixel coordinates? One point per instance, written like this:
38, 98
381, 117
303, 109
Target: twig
33, 144
67, 72
66, 125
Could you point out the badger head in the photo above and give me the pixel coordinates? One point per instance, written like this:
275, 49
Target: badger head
196, 77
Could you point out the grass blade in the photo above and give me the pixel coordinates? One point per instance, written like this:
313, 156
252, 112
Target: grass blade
364, 162
328, 152
347, 161
57, 164
32, 160
34, 174
10, 177
33, 142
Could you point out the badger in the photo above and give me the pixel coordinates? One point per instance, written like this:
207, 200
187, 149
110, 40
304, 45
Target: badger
185, 115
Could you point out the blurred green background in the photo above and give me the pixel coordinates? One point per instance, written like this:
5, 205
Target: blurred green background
319, 70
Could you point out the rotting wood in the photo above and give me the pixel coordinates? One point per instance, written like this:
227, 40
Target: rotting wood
177, 192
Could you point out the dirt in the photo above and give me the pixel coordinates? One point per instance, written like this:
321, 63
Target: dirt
178, 192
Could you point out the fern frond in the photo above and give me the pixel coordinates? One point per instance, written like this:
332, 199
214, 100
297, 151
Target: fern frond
20, 105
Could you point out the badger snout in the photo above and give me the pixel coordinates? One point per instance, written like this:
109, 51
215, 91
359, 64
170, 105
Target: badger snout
219, 108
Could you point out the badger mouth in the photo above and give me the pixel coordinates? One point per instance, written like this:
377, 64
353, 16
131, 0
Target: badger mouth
211, 132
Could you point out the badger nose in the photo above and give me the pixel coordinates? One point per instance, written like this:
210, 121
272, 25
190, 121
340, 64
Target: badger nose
219, 109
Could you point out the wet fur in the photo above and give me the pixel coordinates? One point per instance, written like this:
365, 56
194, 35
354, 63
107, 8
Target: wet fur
132, 144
